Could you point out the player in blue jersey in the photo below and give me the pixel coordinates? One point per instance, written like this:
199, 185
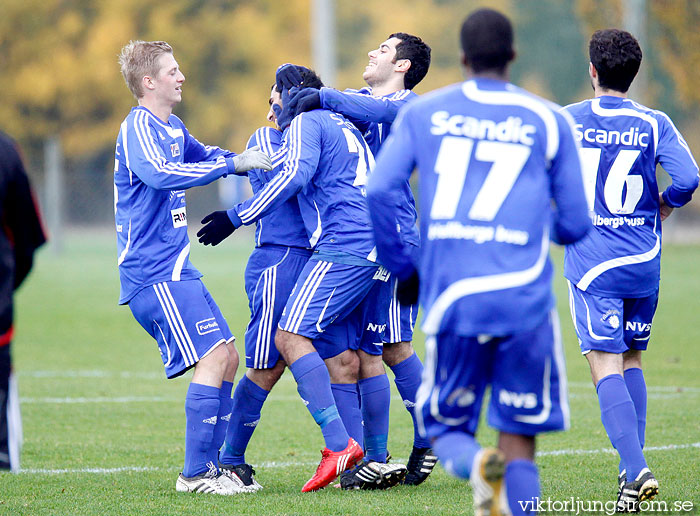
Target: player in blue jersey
491, 159
282, 249
614, 271
327, 161
394, 69
156, 160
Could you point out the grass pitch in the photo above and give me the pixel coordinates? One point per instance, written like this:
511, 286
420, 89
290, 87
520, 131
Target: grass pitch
104, 429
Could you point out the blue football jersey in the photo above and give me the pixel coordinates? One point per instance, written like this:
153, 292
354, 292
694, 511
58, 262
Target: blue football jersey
283, 226
373, 116
154, 162
621, 144
326, 162
491, 159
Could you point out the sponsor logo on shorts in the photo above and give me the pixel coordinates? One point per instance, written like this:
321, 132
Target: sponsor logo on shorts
612, 317
376, 327
207, 326
526, 400
640, 327
179, 216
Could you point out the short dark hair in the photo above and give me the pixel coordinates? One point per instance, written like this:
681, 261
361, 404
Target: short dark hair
310, 79
487, 40
616, 56
415, 50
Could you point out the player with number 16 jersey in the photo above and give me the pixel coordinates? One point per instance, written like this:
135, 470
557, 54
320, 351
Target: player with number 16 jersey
621, 144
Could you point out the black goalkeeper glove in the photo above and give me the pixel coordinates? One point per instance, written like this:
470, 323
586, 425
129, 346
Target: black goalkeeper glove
217, 227
407, 290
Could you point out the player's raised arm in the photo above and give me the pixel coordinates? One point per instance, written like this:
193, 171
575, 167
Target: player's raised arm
571, 221
364, 108
146, 158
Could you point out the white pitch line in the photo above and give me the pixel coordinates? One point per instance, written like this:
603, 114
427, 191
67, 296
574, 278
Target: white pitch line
612, 451
102, 399
280, 465
650, 388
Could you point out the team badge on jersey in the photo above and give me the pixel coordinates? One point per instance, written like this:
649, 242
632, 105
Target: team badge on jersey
175, 149
179, 216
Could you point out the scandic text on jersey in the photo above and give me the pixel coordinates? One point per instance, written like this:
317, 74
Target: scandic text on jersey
510, 130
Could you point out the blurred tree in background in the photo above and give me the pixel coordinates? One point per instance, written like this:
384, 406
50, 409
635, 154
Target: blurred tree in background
59, 71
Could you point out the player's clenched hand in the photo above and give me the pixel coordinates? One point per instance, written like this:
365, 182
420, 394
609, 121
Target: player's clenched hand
664, 209
217, 226
287, 76
305, 99
407, 290
250, 159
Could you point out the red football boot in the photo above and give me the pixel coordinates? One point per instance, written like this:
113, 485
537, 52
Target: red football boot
333, 464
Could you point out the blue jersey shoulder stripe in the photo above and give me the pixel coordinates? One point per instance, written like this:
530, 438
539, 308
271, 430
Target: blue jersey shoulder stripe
601, 111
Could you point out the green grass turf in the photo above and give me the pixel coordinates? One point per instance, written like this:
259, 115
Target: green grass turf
74, 346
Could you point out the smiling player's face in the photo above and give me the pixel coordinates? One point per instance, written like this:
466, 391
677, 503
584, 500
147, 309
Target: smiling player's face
169, 79
381, 62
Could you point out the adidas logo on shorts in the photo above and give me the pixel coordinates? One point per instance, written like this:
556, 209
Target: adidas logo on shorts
210, 420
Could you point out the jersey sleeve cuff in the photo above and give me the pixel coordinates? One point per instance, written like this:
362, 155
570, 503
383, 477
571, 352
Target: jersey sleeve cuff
235, 219
676, 198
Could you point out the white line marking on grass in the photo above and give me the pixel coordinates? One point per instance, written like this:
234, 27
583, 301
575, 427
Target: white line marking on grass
91, 374
612, 451
100, 471
650, 388
288, 464
125, 399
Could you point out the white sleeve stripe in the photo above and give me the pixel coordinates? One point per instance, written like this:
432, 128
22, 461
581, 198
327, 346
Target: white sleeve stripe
142, 130
280, 181
681, 140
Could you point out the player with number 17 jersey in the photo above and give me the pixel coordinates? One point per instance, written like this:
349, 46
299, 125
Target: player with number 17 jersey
621, 144
491, 151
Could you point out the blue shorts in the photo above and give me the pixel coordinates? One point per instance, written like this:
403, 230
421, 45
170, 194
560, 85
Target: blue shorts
370, 318
611, 324
401, 319
270, 276
326, 293
526, 372
184, 320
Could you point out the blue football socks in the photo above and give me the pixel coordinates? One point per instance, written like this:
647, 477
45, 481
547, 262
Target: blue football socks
375, 396
456, 452
407, 376
223, 417
248, 400
620, 421
314, 387
201, 413
522, 486
637, 387
347, 399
